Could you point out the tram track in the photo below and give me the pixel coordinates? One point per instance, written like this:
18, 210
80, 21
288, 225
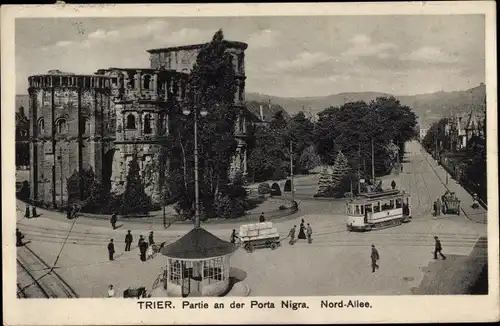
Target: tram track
39, 279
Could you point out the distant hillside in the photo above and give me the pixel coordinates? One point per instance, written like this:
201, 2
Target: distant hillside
428, 107
268, 110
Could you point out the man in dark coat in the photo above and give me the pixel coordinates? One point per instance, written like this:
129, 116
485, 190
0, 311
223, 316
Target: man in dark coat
438, 248
233, 236
262, 219
374, 257
111, 249
19, 238
113, 220
151, 238
143, 247
141, 240
33, 210
69, 211
128, 241
393, 184
27, 212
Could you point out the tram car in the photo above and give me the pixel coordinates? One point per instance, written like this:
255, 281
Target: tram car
378, 210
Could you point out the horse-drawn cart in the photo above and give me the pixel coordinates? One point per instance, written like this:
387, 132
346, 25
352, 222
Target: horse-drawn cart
451, 203
259, 235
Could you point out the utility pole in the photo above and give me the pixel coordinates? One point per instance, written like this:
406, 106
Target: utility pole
196, 185
291, 172
61, 181
359, 163
436, 145
373, 163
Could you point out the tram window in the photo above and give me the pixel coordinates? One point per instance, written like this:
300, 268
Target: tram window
368, 208
376, 207
362, 209
357, 210
398, 203
391, 204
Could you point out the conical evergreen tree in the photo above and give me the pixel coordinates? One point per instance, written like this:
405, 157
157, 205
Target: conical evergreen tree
339, 171
325, 182
134, 199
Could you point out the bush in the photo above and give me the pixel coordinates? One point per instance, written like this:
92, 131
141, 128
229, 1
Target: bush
275, 189
226, 207
24, 192
264, 189
282, 207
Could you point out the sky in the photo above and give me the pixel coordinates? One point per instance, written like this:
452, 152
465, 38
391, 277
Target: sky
286, 56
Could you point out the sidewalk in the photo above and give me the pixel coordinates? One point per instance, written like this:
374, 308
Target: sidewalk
478, 215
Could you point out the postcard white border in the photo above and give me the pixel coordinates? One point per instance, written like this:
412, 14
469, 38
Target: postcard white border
385, 308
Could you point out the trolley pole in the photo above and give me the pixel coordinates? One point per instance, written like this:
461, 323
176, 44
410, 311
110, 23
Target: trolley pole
291, 172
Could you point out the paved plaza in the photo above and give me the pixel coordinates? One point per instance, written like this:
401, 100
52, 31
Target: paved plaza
336, 263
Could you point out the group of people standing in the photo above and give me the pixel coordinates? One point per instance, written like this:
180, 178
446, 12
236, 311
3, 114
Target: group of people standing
33, 212
145, 247
305, 232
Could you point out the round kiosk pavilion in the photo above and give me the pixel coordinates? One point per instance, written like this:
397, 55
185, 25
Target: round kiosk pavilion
197, 264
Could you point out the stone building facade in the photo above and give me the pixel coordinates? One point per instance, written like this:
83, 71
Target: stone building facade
66, 128
99, 121
183, 58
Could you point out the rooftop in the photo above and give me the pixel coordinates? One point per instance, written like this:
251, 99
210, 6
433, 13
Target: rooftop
198, 244
232, 44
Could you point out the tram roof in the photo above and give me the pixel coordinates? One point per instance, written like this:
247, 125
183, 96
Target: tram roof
382, 195
198, 244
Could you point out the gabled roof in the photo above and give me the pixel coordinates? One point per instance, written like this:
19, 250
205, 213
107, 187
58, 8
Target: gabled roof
198, 244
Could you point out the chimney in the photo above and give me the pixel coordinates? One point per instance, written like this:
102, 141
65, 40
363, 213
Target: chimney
261, 113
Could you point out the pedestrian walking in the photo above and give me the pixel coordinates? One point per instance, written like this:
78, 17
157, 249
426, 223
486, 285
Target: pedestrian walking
309, 233
233, 236
435, 209
143, 247
151, 238
438, 206
128, 240
149, 253
262, 219
111, 249
113, 220
33, 210
374, 257
19, 238
438, 248
68, 212
27, 212
302, 233
401, 167
291, 234
111, 291
393, 184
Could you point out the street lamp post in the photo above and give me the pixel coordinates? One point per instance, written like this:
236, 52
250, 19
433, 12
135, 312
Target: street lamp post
203, 113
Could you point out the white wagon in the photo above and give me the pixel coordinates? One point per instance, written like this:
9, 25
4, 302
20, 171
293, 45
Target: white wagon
259, 235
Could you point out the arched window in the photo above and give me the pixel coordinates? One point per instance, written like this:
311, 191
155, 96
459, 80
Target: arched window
147, 124
147, 81
61, 126
130, 121
41, 127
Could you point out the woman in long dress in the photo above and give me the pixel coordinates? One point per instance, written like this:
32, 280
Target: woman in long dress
302, 233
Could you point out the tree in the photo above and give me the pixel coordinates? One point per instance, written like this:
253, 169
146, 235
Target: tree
339, 171
134, 199
325, 181
267, 159
309, 159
